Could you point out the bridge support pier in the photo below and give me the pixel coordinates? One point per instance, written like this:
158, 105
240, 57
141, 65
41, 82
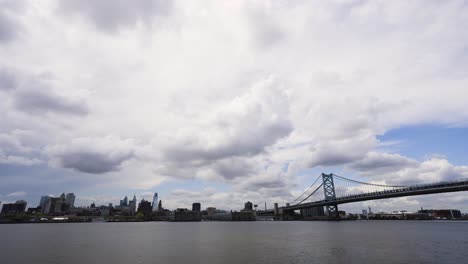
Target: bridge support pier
330, 195
332, 210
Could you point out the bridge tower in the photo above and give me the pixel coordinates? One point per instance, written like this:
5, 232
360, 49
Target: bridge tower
329, 190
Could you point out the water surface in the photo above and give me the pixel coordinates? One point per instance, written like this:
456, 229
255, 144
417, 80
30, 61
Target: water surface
236, 242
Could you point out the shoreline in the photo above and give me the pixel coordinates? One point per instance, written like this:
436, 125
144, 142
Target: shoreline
168, 221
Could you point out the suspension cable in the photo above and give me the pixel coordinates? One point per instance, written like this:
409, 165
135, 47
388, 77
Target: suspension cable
311, 194
306, 189
371, 184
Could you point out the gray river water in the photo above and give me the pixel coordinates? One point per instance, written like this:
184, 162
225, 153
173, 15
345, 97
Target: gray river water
236, 242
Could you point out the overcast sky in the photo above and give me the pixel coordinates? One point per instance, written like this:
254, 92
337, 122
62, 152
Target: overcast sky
221, 102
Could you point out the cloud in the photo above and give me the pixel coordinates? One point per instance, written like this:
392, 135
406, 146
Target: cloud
231, 168
378, 163
338, 152
9, 27
190, 84
13, 150
432, 170
265, 24
12, 142
8, 79
35, 94
93, 155
243, 128
17, 160
17, 194
395, 169
40, 99
112, 15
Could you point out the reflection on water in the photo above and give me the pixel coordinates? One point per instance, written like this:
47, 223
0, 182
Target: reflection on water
236, 242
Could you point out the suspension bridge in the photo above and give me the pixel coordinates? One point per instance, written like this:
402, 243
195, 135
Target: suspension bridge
324, 195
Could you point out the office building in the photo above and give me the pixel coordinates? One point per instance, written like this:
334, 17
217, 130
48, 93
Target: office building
70, 200
313, 211
248, 206
43, 200
196, 207
55, 205
145, 207
17, 208
132, 204
210, 211
124, 202
155, 202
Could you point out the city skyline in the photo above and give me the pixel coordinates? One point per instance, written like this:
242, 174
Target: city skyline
223, 103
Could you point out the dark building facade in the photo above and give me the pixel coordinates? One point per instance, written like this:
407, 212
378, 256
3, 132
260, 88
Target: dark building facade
17, 208
145, 207
243, 216
248, 206
196, 207
56, 206
442, 213
313, 211
184, 215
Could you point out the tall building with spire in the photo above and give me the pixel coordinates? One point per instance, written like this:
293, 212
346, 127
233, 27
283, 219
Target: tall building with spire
155, 202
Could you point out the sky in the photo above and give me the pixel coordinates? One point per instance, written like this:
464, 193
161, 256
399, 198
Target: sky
223, 102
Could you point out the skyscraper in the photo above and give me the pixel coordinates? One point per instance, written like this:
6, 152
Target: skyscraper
70, 199
133, 203
124, 202
145, 207
14, 208
155, 202
196, 207
248, 206
43, 201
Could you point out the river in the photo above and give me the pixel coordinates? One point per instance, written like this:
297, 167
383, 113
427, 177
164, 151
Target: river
236, 242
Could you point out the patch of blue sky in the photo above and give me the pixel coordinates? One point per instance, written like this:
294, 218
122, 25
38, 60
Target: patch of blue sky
424, 141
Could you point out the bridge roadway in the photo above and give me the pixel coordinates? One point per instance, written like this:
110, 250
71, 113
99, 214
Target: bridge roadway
442, 187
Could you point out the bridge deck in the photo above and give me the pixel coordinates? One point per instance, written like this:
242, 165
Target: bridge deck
443, 187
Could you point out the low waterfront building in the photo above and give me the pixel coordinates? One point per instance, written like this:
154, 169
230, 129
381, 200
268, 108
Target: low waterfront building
243, 216
210, 211
442, 213
84, 211
17, 208
221, 216
313, 212
34, 210
184, 215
